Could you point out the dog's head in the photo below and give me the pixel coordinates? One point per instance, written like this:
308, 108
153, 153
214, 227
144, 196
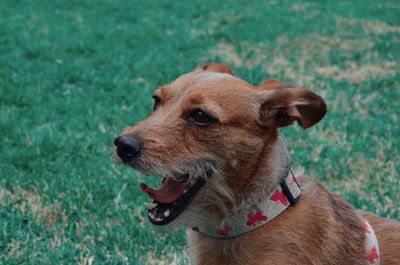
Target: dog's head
212, 138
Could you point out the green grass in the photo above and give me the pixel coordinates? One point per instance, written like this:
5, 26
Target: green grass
74, 73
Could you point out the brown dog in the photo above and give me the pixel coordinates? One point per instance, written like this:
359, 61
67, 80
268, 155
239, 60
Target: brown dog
213, 138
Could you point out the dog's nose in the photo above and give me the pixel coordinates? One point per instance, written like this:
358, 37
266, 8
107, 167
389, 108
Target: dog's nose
128, 147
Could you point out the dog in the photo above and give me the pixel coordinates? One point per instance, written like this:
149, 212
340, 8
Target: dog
213, 138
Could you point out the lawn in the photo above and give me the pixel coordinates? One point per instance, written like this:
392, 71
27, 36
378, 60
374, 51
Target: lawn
74, 73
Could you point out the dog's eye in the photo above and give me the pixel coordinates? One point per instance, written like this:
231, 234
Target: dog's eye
157, 102
200, 117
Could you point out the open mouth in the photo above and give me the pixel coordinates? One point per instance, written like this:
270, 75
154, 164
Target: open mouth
172, 198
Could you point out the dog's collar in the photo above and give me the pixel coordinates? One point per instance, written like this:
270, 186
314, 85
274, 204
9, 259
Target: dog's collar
255, 216
371, 245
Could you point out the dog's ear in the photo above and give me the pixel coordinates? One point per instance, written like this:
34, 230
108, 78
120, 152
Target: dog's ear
215, 67
283, 106
273, 84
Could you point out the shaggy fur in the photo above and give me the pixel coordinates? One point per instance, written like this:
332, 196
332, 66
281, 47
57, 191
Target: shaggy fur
248, 158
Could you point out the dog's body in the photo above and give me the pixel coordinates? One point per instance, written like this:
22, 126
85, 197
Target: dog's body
214, 139
320, 229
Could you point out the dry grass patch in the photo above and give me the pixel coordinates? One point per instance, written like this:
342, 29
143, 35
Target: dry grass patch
356, 73
29, 202
369, 26
306, 49
250, 55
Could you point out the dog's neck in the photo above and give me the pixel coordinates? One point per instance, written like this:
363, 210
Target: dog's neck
266, 187
271, 167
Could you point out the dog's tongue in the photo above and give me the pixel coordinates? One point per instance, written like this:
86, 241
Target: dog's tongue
169, 191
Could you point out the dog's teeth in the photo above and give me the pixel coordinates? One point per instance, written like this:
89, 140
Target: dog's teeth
150, 206
185, 190
166, 213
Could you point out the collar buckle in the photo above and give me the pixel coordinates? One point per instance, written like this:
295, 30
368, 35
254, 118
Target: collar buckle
285, 188
292, 200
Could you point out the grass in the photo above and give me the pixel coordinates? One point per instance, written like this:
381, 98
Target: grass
74, 73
